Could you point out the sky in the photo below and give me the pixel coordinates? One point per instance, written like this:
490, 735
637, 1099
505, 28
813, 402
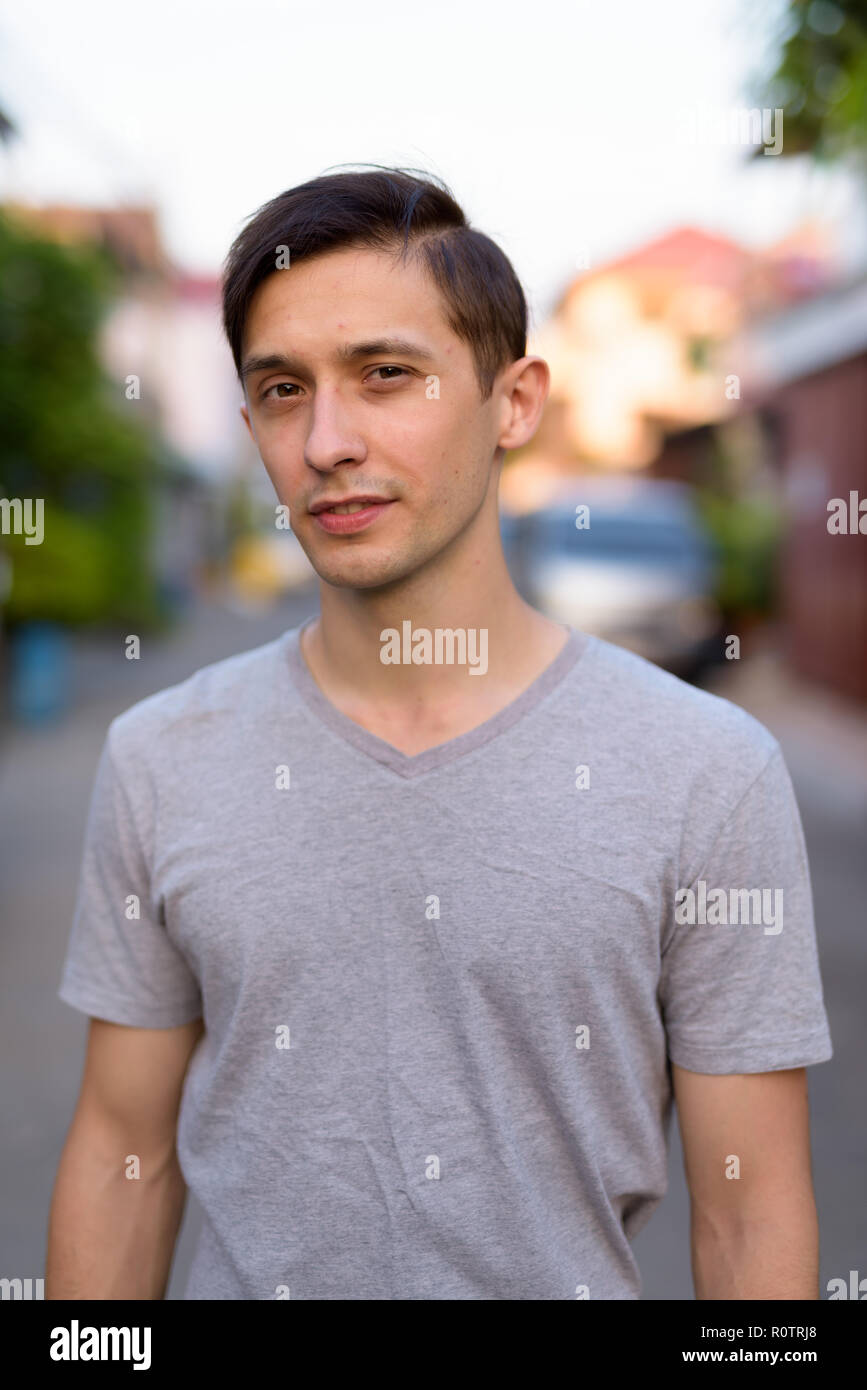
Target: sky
560, 127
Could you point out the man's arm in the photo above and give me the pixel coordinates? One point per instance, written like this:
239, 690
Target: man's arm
756, 1235
112, 1236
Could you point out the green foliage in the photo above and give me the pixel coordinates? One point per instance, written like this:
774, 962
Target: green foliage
821, 78
747, 534
65, 438
86, 571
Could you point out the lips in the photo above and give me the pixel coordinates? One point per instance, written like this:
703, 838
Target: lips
354, 518
346, 505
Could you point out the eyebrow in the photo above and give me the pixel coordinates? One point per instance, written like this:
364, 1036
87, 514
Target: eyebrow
349, 352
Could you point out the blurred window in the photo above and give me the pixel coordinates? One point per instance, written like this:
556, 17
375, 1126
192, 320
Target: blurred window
622, 536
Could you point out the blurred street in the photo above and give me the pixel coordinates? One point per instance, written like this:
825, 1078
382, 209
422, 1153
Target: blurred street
45, 778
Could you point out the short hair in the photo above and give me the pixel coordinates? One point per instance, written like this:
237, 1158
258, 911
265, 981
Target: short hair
387, 209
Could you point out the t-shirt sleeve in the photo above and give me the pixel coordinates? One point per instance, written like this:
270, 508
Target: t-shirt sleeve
120, 963
740, 988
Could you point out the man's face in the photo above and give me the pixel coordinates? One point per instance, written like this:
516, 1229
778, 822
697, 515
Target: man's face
330, 427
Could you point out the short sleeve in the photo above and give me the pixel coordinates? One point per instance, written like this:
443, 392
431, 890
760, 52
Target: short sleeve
120, 963
740, 987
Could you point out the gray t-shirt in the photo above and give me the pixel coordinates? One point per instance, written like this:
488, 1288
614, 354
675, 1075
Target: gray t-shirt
441, 992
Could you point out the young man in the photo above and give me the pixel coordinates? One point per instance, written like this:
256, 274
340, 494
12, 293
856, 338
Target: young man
398, 964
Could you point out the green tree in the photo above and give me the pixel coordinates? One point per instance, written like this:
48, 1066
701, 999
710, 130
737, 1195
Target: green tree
65, 438
820, 81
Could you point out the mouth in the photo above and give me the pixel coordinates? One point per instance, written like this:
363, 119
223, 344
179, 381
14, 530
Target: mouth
352, 514
347, 505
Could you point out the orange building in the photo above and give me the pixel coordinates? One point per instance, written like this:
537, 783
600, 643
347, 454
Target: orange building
640, 347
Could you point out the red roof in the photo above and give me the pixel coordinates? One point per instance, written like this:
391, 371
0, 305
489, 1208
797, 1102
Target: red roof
692, 253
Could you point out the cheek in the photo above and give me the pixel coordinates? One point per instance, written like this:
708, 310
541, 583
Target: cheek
279, 447
433, 443
271, 462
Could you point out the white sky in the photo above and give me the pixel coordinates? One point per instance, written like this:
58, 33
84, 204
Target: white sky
557, 125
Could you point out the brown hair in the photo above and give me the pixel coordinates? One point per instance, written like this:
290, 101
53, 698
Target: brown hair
383, 208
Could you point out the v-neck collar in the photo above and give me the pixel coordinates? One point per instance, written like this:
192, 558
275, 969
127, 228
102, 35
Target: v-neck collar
412, 765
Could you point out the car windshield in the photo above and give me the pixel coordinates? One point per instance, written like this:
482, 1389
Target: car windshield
620, 535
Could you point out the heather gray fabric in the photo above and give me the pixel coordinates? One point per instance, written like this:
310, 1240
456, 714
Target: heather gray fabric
434, 1128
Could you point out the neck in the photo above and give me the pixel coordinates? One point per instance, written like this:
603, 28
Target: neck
496, 633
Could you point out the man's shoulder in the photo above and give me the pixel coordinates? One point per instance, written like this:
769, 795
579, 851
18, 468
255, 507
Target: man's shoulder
234, 689
668, 717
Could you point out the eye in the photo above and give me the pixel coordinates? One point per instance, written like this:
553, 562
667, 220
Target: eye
401, 370
276, 387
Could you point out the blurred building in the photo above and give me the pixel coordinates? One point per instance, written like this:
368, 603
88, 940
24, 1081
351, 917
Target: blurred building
692, 350
807, 369
131, 234
639, 351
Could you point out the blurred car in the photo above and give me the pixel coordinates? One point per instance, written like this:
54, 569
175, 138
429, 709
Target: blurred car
641, 574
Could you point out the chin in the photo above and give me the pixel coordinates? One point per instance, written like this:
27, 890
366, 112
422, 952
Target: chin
358, 572
371, 571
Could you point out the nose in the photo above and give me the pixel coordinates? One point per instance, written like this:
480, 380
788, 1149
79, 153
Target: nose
333, 436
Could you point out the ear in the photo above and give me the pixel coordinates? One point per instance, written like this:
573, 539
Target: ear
524, 392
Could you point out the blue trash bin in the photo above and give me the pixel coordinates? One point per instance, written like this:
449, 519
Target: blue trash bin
39, 661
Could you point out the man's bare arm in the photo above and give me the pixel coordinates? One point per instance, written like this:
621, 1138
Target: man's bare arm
112, 1236
756, 1235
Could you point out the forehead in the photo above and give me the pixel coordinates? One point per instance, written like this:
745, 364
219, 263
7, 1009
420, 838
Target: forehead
346, 294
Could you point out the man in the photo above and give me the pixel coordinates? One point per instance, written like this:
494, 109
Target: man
400, 932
